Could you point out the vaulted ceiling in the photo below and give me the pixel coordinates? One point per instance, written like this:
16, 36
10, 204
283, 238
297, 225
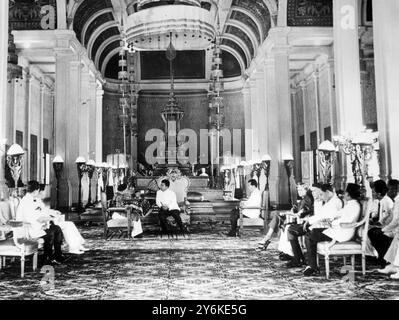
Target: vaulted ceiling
245, 25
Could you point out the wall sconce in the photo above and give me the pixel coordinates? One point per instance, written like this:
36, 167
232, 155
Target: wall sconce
266, 161
90, 168
289, 167
14, 161
326, 158
360, 149
58, 165
81, 166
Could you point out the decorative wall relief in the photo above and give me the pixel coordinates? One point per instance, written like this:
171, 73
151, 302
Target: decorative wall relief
33, 15
316, 13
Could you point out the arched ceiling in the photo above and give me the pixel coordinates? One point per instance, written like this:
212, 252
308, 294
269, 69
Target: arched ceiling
245, 26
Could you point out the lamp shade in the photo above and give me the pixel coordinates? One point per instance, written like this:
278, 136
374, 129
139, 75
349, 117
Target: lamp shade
327, 146
58, 159
105, 165
80, 160
288, 157
243, 163
15, 150
266, 157
91, 163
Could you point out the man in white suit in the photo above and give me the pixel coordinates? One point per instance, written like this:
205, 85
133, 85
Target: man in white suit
254, 201
333, 219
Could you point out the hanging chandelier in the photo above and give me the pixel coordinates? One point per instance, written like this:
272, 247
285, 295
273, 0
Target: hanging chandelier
217, 119
129, 95
155, 21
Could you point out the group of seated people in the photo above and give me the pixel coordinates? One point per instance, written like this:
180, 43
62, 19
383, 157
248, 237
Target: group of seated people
324, 215
42, 222
166, 201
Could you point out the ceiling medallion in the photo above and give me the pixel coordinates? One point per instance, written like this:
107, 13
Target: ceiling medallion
191, 26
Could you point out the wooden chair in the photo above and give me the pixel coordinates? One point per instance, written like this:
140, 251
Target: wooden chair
260, 222
19, 245
113, 226
349, 248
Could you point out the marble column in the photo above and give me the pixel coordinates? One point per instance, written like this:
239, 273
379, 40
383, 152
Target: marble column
273, 129
262, 137
248, 121
92, 117
295, 131
61, 14
66, 116
347, 66
283, 92
347, 76
316, 82
99, 123
306, 132
27, 128
3, 89
254, 118
40, 159
84, 118
386, 52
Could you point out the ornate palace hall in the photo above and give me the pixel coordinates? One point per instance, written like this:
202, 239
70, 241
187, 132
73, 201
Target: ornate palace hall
199, 149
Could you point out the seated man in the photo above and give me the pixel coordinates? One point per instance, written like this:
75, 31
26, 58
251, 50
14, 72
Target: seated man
254, 200
300, 229
305, 208
330, 219
39, 225
167, 203
380, 219
392, 230
71, 234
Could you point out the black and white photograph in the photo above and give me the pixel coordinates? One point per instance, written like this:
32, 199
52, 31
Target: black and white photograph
199, 155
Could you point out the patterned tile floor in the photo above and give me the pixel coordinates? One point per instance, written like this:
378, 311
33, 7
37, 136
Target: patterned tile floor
202, 266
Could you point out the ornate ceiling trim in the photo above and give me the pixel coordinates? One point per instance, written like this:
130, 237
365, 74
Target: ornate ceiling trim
85, 11
96, 33
102, 48
235, 55
240, 33
253, 18
247, 30
108, 57
260, 10
92, 18
113, 45
239, 42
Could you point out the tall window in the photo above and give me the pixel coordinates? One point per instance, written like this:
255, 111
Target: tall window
19, 138
327, 133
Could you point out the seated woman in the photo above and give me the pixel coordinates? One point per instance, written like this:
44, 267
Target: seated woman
140, 208
71, 234
304, 209
335, 233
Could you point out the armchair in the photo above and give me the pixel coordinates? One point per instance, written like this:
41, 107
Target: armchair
350, 248
260, 222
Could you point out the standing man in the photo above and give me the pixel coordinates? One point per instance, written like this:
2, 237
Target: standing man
254, 201
40, 225
167, 202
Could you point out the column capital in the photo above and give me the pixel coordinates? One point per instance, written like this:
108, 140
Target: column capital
99, 92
